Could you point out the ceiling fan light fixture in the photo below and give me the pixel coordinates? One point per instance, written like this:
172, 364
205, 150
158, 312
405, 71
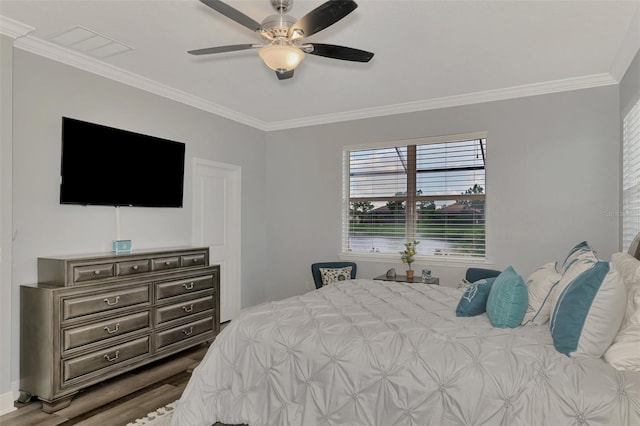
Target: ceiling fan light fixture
281, 57
282, 51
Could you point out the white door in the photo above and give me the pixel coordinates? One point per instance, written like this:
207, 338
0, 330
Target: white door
216, 223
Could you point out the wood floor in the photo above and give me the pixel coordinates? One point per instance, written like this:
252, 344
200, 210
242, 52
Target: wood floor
120, 400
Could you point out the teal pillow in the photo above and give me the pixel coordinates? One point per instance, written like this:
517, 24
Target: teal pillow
589, 312
474, 300
508, 300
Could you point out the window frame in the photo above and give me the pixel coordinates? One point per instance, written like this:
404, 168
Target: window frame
419, 258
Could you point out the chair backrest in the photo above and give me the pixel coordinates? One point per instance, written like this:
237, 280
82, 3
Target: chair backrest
317, 277
475, 274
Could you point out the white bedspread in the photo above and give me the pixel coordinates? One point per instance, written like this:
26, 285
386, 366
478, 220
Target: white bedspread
369, 352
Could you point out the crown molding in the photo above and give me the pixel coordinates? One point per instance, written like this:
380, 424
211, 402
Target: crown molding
13, 29
87, 63
526, 90
628, 49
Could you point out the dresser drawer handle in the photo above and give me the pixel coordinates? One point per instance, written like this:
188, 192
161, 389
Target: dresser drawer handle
188, 332
115, 330
115, 301
96, 272
188, 286
188, 308
134, 267
167, 263
112, 359
194, 260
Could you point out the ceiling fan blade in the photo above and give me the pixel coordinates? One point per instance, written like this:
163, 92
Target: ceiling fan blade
221, 49
321, 17
233, 14
340, 52
284, 75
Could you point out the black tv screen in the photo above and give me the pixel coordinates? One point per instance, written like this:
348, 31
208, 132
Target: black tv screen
111, 167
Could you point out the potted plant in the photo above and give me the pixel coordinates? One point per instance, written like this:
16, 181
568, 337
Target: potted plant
407, 256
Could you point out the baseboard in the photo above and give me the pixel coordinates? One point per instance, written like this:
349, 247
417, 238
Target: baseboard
6, 403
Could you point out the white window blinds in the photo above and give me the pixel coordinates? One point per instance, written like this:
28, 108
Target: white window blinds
631, 176
433, 192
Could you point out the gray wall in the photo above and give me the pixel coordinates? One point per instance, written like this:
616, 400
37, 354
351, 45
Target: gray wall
44, 91
552, 179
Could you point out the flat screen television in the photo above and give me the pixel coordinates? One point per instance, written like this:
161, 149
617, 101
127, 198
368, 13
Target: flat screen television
111, 167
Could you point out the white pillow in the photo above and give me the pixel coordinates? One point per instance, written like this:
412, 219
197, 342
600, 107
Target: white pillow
334, 275
580, 252
628, 267
574, 269
539, 286
624, 352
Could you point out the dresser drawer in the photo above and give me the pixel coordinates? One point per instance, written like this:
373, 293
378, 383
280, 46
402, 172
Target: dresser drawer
132, 268
74, 307
106, 358
168, 289
180, 310
184, 332
92, 272
193, 260
84, 335
164, 263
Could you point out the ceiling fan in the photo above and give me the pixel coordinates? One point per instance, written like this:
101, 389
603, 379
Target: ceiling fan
282, 49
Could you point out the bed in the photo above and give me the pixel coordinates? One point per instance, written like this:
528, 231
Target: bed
365, 352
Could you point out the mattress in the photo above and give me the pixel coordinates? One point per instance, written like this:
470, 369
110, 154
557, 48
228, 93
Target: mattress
366, 352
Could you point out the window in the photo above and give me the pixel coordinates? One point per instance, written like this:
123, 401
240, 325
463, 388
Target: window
631, 176
431, 190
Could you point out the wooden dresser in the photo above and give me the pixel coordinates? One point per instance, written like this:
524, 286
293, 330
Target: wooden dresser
93, 317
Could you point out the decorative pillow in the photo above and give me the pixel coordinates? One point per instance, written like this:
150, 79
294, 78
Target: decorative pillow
578, 261
508, 300
539, 286
580, 251
628, 267
474, 300
330, 275
624, 352
588, 312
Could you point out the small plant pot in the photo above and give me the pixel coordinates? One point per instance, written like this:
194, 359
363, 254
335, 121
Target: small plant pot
409, 274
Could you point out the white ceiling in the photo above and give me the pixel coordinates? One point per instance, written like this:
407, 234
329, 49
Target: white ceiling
428, 54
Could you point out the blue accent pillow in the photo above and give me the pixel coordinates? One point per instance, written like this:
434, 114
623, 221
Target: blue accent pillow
474, 300
589, 311
508, 300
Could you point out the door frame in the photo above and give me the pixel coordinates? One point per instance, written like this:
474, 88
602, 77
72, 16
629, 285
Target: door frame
232, 272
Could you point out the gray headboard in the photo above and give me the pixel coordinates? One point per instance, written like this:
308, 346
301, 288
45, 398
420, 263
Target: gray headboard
634, 248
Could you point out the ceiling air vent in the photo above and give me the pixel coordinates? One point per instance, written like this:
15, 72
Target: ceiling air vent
90, 42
